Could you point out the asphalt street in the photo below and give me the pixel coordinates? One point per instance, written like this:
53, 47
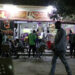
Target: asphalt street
35, 66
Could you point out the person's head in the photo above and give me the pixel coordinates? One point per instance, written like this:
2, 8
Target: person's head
70, 31
37, 30
34, 31
47, 31
17, 40
58, 25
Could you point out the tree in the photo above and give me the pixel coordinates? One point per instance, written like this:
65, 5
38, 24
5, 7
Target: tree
65, 7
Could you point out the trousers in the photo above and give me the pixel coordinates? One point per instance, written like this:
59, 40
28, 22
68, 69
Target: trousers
63, 60
72, 50
33, 48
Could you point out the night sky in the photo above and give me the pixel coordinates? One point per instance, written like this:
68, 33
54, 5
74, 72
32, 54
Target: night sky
27, 2
38, 2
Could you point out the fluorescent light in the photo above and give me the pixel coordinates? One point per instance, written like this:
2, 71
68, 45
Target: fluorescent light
12, 9
26, 30
50, 9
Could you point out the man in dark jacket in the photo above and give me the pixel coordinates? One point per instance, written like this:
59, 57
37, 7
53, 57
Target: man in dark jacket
72, 43
59, 49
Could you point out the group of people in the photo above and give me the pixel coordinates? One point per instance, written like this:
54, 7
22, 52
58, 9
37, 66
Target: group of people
18, 45
35, 43
58, 47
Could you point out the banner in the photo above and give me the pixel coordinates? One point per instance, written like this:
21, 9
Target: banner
25, 15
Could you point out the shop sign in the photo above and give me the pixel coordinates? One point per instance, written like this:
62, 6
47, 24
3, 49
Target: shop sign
4, 14
8, 32
25, 15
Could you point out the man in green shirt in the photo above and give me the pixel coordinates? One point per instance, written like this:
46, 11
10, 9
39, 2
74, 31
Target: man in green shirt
32, 42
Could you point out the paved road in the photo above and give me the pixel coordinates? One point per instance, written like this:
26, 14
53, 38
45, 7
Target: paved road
32, 66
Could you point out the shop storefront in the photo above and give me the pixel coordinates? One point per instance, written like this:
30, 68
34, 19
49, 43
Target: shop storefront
20, 23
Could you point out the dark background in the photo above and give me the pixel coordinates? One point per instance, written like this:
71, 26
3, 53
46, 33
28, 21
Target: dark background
64, 6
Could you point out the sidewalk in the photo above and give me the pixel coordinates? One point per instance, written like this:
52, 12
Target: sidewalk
45, 53
33, 66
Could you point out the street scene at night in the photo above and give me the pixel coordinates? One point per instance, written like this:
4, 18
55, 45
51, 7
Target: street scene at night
37, 37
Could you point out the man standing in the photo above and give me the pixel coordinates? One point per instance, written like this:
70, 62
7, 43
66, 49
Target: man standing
59, 49
32, 42
72, 43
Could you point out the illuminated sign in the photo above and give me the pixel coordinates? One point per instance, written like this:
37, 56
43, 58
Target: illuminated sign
25, 15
